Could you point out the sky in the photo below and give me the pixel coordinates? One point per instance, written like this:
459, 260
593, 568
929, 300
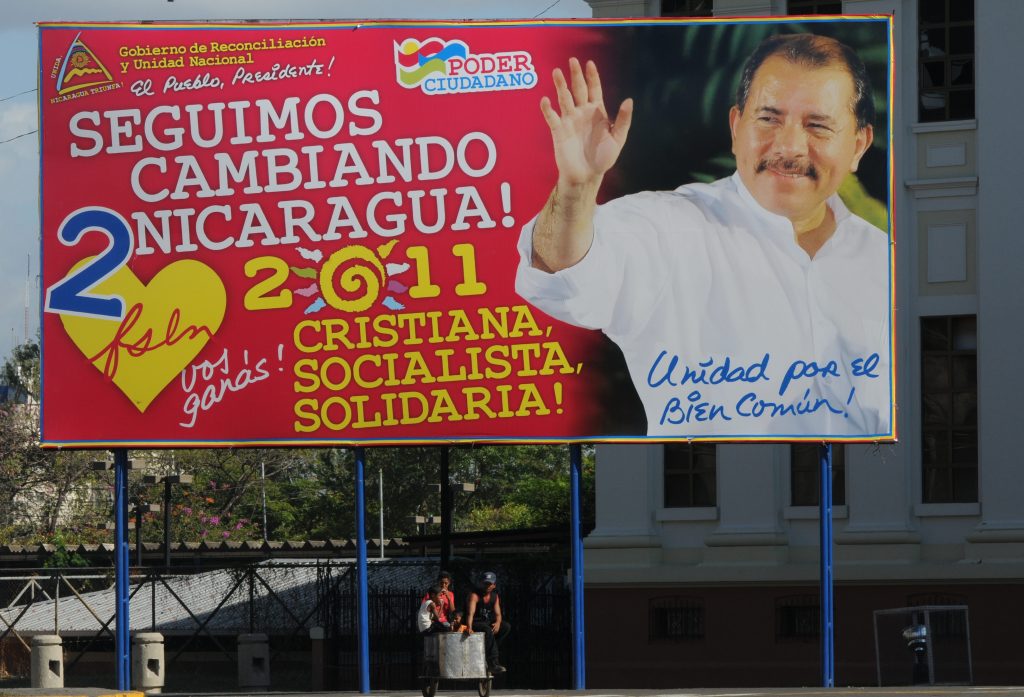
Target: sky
19, 146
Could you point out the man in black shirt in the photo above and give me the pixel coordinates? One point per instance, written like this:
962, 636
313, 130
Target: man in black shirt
483, 614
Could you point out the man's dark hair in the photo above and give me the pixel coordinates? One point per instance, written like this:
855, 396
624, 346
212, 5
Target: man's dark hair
813, 51
444, 574
434, 590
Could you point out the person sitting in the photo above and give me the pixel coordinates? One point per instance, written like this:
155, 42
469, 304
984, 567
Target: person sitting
457, 624
427, 620
483, 614
446, 601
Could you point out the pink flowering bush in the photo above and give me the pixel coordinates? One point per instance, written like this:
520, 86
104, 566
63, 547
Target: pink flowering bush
199, 517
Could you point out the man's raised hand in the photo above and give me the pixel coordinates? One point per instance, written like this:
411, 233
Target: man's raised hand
586, 142
586, 145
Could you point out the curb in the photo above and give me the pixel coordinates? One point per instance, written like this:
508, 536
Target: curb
68, 692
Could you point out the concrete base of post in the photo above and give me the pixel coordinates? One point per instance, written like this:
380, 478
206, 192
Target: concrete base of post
316, 640
47, 661
148, 662
253, 662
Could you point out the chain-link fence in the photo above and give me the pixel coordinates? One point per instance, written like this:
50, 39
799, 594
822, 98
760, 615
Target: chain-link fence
201, 615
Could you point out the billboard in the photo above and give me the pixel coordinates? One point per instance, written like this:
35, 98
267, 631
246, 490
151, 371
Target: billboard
416, 232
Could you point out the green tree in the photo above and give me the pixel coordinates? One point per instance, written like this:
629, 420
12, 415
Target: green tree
61, 558
22, 464
309, 492
508, 516
224, 501
43, 490
21, 371
523, 486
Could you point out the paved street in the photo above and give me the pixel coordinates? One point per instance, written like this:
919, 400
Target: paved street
919, 691
744, 692
739, 692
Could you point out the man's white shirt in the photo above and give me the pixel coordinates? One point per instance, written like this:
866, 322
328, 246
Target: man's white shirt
704, 278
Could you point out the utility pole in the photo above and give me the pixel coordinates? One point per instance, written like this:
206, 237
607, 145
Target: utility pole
446, 509
28, 283
448, 489
380, 493
263, 487
140, 509
122, 613
168, 480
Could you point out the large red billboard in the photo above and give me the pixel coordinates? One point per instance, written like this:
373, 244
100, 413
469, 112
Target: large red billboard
363, 233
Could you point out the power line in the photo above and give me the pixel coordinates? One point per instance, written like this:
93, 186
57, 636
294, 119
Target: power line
28, 133
546, 9
4, 99
22, 135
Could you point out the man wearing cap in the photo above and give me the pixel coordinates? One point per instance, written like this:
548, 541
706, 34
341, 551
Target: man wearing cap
483, 614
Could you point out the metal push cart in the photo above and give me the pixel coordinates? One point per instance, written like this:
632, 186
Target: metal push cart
454, 656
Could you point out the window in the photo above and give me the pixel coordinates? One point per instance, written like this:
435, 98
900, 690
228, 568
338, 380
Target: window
805, 474
945, 59
815, 7
797, 618
949, 409
686, 8
689, 475
675, 618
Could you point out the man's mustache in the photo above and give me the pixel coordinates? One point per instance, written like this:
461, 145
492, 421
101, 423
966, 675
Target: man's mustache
788, 165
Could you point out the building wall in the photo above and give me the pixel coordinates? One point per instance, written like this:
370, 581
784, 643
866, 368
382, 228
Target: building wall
742, 648
957, 253
1000, 297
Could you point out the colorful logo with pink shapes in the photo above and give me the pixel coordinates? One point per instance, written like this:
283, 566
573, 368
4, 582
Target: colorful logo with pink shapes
449, 67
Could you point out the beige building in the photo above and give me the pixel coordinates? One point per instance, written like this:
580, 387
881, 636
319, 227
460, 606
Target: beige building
703, 566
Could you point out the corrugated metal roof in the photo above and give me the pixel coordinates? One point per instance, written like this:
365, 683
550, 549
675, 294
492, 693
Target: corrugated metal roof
348, 545
217, 599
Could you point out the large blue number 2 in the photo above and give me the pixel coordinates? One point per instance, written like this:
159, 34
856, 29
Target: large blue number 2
71, 295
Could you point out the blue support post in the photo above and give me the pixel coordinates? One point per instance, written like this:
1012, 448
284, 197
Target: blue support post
362, 597
828, 676
121, 609
578, 642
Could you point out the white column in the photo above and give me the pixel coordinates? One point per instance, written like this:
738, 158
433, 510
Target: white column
625, 8
47, 662
626, 492
148, 662
1000, 251
879, 492
253, 662
750, 499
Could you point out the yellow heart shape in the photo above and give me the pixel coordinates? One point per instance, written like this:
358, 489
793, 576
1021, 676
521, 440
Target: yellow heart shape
167, 323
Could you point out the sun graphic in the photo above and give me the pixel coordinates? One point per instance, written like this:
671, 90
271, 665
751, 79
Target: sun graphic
79, 60
353, 279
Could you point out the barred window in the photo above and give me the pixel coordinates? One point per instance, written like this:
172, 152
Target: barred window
797, 618
675, 618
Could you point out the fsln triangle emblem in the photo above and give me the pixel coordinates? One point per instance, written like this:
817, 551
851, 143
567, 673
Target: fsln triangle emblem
81, 69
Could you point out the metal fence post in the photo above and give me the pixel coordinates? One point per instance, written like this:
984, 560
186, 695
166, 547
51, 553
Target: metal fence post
123, 648
828, 676
578, 639
363, 624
